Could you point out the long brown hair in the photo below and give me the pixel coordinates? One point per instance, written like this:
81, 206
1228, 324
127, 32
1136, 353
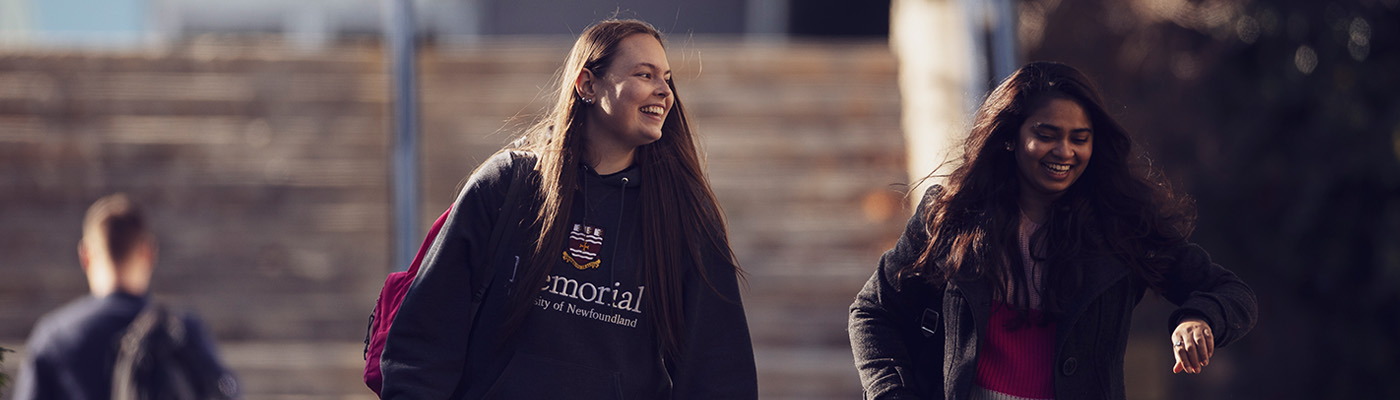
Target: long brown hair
1121, 206
681, 218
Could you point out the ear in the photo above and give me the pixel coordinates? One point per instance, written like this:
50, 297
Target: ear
152, 249
83, 257
583, 85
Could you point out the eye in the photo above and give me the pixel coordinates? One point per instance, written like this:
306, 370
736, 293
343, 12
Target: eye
646, 75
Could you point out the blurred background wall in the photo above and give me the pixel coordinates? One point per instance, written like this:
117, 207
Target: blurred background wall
258, 135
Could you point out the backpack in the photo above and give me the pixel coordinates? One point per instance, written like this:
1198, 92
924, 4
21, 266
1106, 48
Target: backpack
156, 359
397, 283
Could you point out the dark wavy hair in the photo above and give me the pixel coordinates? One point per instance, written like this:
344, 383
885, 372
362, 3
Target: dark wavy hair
1120, 207
680, 214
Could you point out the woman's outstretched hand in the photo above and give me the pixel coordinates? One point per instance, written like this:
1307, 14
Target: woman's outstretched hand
1193, 344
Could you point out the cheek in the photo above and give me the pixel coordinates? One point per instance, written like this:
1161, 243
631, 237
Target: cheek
638, 93
1034, 150
1025, 160
618, 100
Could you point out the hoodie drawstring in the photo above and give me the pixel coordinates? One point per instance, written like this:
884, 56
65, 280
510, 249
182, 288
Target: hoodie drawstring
621, 209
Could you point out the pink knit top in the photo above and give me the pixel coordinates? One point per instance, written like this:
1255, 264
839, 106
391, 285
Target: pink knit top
1018, 364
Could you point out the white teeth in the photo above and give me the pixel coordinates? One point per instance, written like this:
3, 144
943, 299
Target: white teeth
1058, 167
652, 110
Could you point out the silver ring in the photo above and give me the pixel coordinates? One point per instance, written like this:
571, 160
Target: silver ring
1176, 344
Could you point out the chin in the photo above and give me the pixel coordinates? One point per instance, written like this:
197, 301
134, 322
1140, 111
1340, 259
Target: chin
1054, 189
650, 136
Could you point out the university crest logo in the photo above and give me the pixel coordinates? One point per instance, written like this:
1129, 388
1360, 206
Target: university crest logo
585, 243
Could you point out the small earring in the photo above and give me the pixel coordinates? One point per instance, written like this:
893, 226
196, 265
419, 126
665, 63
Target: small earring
587, 100
1008, 146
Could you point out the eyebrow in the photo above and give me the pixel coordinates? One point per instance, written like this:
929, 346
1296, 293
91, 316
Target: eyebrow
1056, 128
652, 66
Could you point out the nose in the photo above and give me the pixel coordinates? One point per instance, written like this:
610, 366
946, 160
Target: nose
663, 90
1063, 149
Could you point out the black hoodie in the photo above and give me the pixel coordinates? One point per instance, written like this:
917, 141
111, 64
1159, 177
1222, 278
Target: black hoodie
588, 335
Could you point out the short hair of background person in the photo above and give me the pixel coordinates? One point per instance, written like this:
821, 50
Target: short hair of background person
117, 249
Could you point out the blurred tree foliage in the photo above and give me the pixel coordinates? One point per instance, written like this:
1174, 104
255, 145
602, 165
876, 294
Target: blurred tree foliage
4, 377
1282, 118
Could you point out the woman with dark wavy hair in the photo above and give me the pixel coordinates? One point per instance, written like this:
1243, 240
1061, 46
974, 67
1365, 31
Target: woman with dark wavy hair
621, 283
1017, 278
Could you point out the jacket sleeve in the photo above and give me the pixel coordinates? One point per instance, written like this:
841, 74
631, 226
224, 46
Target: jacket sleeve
36, 376
716, 360
1203, 288
426, 348
203, 362
882, 315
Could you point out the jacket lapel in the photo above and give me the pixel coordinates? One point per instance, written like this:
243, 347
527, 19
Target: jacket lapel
1100, 274
978, 295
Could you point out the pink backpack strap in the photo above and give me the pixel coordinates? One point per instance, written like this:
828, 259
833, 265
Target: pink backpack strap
428, 241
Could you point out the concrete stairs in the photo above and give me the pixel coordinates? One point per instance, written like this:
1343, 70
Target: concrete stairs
265, 172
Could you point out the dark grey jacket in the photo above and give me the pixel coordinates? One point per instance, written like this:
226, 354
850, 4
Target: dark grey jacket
914, 341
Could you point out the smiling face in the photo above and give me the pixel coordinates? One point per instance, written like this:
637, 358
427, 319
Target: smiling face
630, 99
1052, 150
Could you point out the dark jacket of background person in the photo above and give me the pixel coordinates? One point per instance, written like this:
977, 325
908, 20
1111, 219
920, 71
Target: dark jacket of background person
899, 359
583, 349
72, 350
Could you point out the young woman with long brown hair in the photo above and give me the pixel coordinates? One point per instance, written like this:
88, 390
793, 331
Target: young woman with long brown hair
1018, 277
621, 284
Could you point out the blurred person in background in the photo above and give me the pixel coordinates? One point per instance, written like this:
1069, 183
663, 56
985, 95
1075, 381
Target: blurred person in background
1018, 278
77, 351
624, 285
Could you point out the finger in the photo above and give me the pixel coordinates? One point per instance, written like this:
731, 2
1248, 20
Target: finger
1202, 348
1210, 342
1198, 351
1177, 354
1183, 357
1188, 356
